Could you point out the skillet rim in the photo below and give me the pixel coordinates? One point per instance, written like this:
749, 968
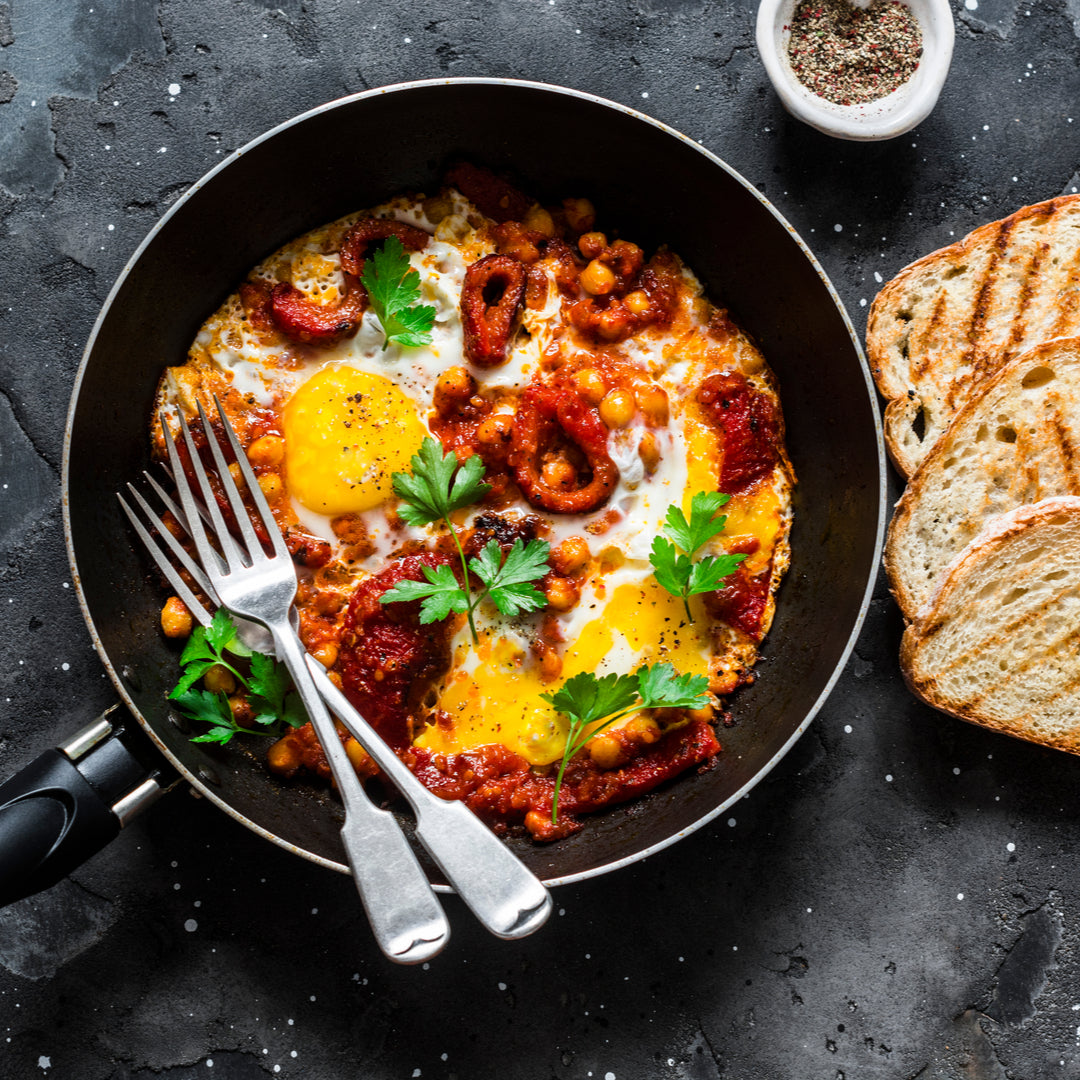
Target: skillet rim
191, 777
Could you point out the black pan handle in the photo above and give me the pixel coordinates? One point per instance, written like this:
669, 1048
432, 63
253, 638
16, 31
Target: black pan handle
67, 804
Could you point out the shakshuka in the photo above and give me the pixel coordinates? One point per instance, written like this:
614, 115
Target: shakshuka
599, 387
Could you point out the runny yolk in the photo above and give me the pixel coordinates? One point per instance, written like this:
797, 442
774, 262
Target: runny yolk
346, 434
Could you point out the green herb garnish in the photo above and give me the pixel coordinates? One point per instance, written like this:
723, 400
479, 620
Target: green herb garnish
679, 573
437, 486
592, 704
266, 685
393, 289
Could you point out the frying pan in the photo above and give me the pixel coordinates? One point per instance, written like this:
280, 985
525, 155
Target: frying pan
650, 184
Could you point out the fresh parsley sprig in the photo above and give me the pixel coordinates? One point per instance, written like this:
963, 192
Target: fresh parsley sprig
438, 486
508, 582
266, 686
393, 289
679, 573
592, 704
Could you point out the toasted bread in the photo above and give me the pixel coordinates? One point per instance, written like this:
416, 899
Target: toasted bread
947, 322
1016, 441
999, 643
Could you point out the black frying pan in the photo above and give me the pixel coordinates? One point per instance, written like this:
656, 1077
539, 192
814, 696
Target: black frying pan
653, 186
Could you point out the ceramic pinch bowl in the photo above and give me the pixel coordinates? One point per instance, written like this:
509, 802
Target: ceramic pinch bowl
883, 118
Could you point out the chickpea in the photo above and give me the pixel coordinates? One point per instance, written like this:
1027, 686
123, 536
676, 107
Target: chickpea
643, 728
219, 680
358, 756
558, 473
571, 556
350, 528
540, 220
562, 594
326, 653
613, 323
592, 244
437, 207
649, 452
550, 666
452, 388
653, 402
598, 278
238, 476
267, 451
176, 620
580, 214
605, 750
241, 709
618, 408
703, 714
637, 302
590, 385
283, 757
495, 429
272, 486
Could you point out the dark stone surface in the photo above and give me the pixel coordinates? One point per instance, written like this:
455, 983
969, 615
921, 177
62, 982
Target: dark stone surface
896, 900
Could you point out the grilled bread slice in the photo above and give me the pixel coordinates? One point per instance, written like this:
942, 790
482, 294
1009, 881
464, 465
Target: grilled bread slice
999, 643
1016, 441
945, 323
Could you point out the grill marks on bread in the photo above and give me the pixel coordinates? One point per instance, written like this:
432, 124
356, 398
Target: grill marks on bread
1015, 442
999, 645
948, 321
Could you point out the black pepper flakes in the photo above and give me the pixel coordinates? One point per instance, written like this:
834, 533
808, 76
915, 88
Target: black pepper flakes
850, 55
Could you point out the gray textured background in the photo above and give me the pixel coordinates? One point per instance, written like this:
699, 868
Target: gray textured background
897, 899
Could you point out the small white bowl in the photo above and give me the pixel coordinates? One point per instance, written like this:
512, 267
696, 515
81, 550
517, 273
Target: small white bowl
884, 118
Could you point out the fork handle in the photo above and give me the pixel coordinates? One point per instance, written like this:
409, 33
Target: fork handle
405, 914
498, 887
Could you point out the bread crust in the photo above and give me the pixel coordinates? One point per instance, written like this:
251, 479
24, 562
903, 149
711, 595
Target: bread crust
997, 644
1015, 441
949, 320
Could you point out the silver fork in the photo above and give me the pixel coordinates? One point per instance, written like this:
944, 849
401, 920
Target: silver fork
405, 915
503, 894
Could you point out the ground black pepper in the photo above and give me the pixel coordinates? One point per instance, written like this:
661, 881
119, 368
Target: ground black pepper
850, 55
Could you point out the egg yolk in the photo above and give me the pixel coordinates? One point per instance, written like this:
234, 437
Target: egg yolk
346, 434
499, 701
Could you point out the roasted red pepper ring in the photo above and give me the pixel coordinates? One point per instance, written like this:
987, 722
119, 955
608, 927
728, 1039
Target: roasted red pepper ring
369, 231
303, 320
491, 298
542, 412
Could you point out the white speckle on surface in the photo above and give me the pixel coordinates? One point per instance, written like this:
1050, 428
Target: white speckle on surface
162, 150
416, 1072
44, 1062
502, 986
209, 1063
174, 88
971, 5
888, 778
312, 998
190, 925
65, 667
609, 1076
809, 911
111, 228
1012, 847
959, 896
644, 93
956, 771
847, 729
838, 227
862, 302
314, 911
877, 275
408, 41
291, 1021
66, 584
731, 823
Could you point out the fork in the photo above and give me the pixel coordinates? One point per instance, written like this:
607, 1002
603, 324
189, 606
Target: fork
405, 915
497, 887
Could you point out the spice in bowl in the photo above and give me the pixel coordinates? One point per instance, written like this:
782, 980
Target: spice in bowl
851, 55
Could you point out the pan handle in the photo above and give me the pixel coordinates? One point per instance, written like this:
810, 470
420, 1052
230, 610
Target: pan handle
66, 805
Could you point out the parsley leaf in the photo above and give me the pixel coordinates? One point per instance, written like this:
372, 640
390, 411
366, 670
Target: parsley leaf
437, 486
441, 594
393, 289
677, 572
510, 585
267, 686
592, 704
